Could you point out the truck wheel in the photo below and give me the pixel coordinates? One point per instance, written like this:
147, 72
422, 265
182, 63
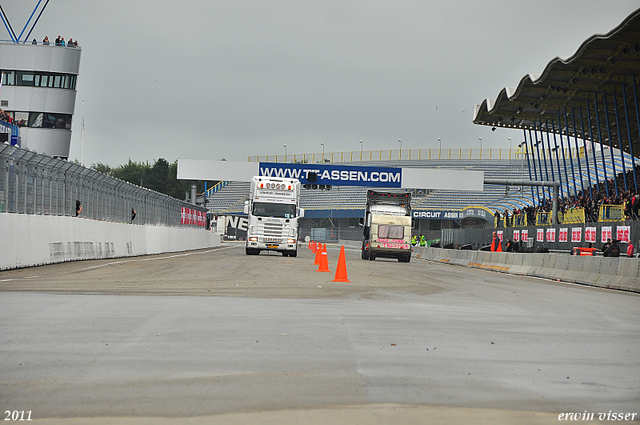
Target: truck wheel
372, 257
293, 253
251, 251
365, 254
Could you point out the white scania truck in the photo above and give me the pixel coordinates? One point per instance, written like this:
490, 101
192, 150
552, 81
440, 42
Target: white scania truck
273, 211
387, 226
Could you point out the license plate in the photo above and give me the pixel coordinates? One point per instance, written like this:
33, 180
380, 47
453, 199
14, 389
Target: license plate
272, 246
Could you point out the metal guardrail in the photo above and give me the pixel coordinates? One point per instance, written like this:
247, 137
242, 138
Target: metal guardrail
404, 154
32, 183
611, 213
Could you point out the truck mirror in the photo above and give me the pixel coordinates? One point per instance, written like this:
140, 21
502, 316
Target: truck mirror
301, 212
246, 207
361, 222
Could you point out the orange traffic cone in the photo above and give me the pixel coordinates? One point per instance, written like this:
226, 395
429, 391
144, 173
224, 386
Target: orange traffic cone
341, 271
318, 252
499, 245
313, 247
324, 263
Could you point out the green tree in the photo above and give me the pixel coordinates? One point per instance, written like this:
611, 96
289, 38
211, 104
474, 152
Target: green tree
162, 176
132, 172
158, 176
102, 168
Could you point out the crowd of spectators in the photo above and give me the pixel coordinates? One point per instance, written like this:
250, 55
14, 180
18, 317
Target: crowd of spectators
9, 119
5, 117
590, 204
58, 42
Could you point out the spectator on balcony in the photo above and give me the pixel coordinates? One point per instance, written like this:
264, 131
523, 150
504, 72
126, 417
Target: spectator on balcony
57, 42
46, 40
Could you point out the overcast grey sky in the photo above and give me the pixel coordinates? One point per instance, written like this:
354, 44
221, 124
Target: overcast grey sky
228, 79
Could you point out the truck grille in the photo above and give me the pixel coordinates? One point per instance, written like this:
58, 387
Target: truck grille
272, 230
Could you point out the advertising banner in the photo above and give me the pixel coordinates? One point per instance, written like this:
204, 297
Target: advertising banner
236, 227
576, 234
334, 174
516, 235
605, 233
563, 235
551, 235
622, 233
194, 217
590, 234
540, 235
468, 212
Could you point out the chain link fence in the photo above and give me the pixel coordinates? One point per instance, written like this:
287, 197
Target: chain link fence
32, 183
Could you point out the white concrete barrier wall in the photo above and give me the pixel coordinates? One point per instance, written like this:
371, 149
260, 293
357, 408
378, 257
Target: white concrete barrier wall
615, 273
30, 240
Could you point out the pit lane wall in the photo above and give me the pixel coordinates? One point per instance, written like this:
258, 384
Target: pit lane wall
31, 240
614, 273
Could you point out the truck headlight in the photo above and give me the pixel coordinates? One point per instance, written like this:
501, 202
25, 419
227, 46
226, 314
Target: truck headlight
291, 241
253, 239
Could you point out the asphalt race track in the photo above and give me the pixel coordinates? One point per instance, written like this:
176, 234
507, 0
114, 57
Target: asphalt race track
218, 337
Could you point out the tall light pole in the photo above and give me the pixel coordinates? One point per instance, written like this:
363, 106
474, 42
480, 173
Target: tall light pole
480, 138
440, 151
360, 150
322, 144
285, 152
400, 152
509, 147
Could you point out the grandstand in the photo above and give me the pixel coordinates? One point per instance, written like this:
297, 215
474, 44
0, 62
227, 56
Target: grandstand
347, 202
230, 198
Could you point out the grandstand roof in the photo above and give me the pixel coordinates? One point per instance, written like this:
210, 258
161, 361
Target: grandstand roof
602, 66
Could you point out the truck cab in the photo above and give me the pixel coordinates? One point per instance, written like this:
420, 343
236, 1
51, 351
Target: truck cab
387, 226
272, 214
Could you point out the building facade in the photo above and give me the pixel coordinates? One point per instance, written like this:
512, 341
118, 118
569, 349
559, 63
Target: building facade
39, 94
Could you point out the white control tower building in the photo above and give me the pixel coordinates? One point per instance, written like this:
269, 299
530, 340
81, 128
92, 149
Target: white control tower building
38, 93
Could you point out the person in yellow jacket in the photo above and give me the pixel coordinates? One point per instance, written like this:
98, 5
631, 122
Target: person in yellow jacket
423, 241
414, 240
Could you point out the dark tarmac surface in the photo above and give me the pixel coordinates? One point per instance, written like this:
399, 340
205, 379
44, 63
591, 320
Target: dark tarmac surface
215, 336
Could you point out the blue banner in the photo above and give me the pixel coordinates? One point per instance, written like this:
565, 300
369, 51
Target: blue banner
467, 212
335, 175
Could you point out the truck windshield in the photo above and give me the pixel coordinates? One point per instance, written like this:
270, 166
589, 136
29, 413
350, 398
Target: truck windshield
263, 209
390, 232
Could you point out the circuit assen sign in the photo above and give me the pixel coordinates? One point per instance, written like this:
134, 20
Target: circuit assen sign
469, 212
